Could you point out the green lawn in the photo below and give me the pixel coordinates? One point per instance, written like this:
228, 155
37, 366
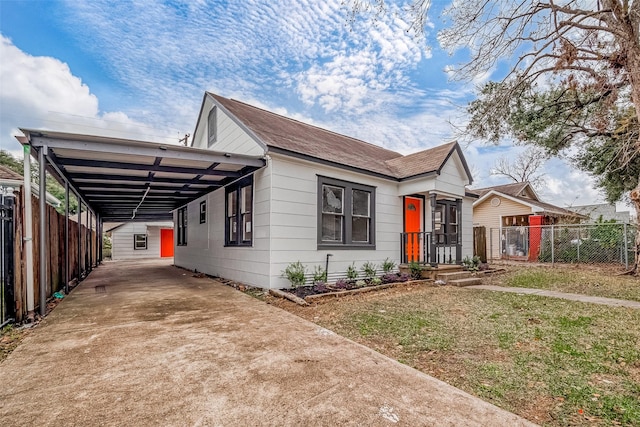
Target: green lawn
580, 279
552, 361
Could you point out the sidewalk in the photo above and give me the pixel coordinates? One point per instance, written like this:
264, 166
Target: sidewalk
147, 344
563, 295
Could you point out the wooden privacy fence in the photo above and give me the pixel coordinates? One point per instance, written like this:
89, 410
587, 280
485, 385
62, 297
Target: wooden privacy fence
56, 258
480, 243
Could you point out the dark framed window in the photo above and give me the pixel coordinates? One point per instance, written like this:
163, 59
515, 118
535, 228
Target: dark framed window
445, 222
139, 242
212, 125
239, 213
182, 226
346, 214
203, 212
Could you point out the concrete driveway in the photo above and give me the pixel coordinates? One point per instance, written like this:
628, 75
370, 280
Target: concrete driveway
144, 343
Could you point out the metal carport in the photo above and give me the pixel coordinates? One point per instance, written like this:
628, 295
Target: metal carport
119, 180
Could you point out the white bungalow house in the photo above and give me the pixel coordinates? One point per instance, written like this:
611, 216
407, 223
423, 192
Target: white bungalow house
322, 199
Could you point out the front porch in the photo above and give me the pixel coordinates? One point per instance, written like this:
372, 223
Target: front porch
430, 248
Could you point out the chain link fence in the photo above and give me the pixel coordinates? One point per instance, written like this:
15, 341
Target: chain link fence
611, 243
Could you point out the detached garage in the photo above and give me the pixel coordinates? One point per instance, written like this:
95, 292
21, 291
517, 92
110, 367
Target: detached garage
133, 240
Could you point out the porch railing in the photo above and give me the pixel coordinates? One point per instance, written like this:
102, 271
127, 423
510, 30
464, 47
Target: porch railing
423, 248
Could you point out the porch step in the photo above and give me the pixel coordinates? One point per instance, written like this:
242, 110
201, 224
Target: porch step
470, 281
453, 275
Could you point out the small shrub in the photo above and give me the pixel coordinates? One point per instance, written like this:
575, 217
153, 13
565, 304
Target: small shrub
415, 269
388, 265
403, 277
471, 264
295, 274
369, 270
390, 278
341, 284
376, 281
352, 272
320, 287
319, 274
361, 284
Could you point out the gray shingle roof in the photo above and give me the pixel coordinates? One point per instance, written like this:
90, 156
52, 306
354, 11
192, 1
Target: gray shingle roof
292, 136
6, 173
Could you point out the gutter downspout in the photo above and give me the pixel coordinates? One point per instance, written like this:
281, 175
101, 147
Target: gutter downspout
28, 232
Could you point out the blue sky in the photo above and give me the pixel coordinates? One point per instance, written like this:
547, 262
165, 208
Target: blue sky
139, 70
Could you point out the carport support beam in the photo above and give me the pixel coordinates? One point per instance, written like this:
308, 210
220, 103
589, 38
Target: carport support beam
99, 227
66, 237
90, 246
43, 230
79, 252
28, 233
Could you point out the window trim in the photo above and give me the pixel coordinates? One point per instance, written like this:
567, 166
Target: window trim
203, 212
212, 118
347, 234
135, 242
182, 226
237, 187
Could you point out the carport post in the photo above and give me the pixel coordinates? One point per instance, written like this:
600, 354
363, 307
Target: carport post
66, 237
79, 254
90, 254
43, 229
99, 227
28, 232
87, 247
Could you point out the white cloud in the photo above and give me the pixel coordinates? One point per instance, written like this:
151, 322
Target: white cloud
41, 92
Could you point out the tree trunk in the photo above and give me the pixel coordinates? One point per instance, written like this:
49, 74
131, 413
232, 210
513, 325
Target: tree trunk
635, 198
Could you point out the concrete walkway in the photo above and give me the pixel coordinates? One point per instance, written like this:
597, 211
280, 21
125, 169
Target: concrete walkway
563, 295
145, 343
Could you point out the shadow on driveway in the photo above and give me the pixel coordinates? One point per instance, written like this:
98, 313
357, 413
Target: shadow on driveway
145, 343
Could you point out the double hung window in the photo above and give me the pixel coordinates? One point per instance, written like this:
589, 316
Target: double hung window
345, 214
239, 209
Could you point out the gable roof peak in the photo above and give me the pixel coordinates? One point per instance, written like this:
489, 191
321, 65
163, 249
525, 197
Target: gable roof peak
284, 135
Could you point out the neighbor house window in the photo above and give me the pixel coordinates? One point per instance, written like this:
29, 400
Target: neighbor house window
212, 125
139, 241
239, 209
182, 226
203, 212
346, 214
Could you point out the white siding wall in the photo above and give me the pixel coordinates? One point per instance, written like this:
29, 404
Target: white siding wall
490, 217
294, 219
467, 227
452, 178
122, 240
205, 250
231, 137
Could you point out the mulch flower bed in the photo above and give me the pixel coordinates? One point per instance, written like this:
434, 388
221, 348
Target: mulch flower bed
347, 284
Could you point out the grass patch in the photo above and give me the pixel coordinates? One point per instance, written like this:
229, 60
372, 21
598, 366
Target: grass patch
10, 337
553, 361
581, 279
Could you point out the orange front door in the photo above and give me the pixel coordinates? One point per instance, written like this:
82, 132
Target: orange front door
413, 226
166, 242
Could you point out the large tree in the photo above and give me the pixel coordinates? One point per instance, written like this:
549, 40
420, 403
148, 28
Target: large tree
571, 79
523, 168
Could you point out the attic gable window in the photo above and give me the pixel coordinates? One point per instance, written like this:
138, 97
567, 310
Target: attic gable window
346, 215
212, 125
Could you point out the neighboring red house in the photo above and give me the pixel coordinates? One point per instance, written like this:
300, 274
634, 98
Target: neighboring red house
516, 205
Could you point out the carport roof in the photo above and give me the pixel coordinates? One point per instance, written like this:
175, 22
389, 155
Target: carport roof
127, 180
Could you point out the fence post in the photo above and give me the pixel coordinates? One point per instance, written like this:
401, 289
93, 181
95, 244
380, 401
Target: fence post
626, 248
579, 245
490, 243
553, 244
